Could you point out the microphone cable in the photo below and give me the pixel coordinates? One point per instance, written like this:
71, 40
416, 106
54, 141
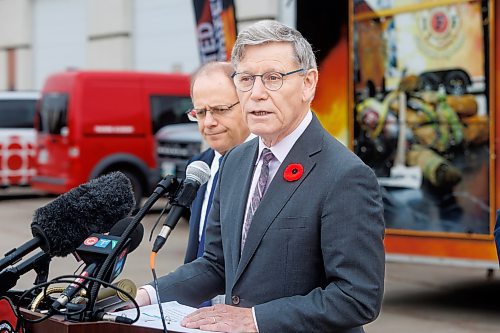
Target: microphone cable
168, 205
70, 279
152, 258
197, 174
50, 290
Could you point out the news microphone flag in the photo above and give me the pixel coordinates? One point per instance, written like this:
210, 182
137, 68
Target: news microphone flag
215, 28
94, 250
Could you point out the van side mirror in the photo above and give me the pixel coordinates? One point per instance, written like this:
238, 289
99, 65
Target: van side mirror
64, 131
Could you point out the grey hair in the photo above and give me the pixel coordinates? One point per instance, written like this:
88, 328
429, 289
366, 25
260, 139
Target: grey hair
222, 67
268, 31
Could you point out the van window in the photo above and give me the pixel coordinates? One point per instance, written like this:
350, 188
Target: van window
53, 113
167, 110
17, 113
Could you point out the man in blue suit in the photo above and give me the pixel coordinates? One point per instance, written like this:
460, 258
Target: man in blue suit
295, 233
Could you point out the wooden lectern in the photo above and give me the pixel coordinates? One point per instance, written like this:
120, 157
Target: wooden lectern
58, 325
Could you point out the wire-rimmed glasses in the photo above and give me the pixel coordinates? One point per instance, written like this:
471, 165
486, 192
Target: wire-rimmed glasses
195, 114
271, 80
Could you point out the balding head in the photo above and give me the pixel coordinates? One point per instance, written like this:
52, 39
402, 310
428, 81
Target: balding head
213, 89
212, 68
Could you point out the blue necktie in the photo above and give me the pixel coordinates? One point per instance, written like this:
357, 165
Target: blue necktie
201, 245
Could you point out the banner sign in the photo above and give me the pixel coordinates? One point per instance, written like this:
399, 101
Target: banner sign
215, 28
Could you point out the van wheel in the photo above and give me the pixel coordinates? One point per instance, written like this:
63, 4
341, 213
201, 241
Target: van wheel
136, 187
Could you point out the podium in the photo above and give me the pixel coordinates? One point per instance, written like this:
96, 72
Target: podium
58, 325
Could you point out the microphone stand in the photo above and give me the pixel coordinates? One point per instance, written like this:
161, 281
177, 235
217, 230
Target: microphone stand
167, 185
40, 262
16, 254
41, 268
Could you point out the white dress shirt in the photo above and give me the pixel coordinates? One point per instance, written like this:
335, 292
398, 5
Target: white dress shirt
214, 167
280, 151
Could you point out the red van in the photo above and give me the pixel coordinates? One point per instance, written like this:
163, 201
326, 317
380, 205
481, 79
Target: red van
91, 122
17, 137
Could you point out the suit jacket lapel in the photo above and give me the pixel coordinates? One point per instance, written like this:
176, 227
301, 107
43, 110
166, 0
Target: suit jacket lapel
280, 191
238, 202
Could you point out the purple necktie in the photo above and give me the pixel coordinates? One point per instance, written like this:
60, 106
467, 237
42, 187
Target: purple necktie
258, 193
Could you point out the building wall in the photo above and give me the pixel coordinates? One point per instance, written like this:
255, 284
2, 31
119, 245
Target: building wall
59, 37
24, 69
152, 35
16, 37
109, 53
3, 70
164, 36
15, 23
109, 36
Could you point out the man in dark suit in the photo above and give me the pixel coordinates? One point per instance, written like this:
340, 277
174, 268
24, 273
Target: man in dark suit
295, 233
222, 128
220, 121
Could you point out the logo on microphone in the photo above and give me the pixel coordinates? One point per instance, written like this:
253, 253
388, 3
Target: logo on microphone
91, 241
5, 327
102, 243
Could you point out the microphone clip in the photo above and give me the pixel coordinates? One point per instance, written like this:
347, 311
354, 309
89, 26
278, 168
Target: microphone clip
185, 194
168, 186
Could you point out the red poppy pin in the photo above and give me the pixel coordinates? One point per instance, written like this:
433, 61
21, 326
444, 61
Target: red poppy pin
293, 172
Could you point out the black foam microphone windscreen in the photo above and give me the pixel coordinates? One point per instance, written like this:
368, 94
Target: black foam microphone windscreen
93, 207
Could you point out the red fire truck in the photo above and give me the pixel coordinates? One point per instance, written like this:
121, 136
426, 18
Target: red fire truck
90, 123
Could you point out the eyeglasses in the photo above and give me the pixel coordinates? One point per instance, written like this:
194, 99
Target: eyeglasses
271, 80
200, 114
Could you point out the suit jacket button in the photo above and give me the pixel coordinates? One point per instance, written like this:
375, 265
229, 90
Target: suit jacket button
235, 300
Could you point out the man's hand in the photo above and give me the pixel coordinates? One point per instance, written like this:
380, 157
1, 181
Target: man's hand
142, 298
221, 318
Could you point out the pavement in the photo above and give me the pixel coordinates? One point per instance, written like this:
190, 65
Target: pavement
418, 298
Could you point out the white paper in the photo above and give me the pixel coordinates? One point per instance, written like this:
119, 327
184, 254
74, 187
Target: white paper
150, 316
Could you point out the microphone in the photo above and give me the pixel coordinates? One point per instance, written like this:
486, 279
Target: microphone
135, 237
109, 299
61, 225
197, 174
94, 251
130, 244
167, 185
